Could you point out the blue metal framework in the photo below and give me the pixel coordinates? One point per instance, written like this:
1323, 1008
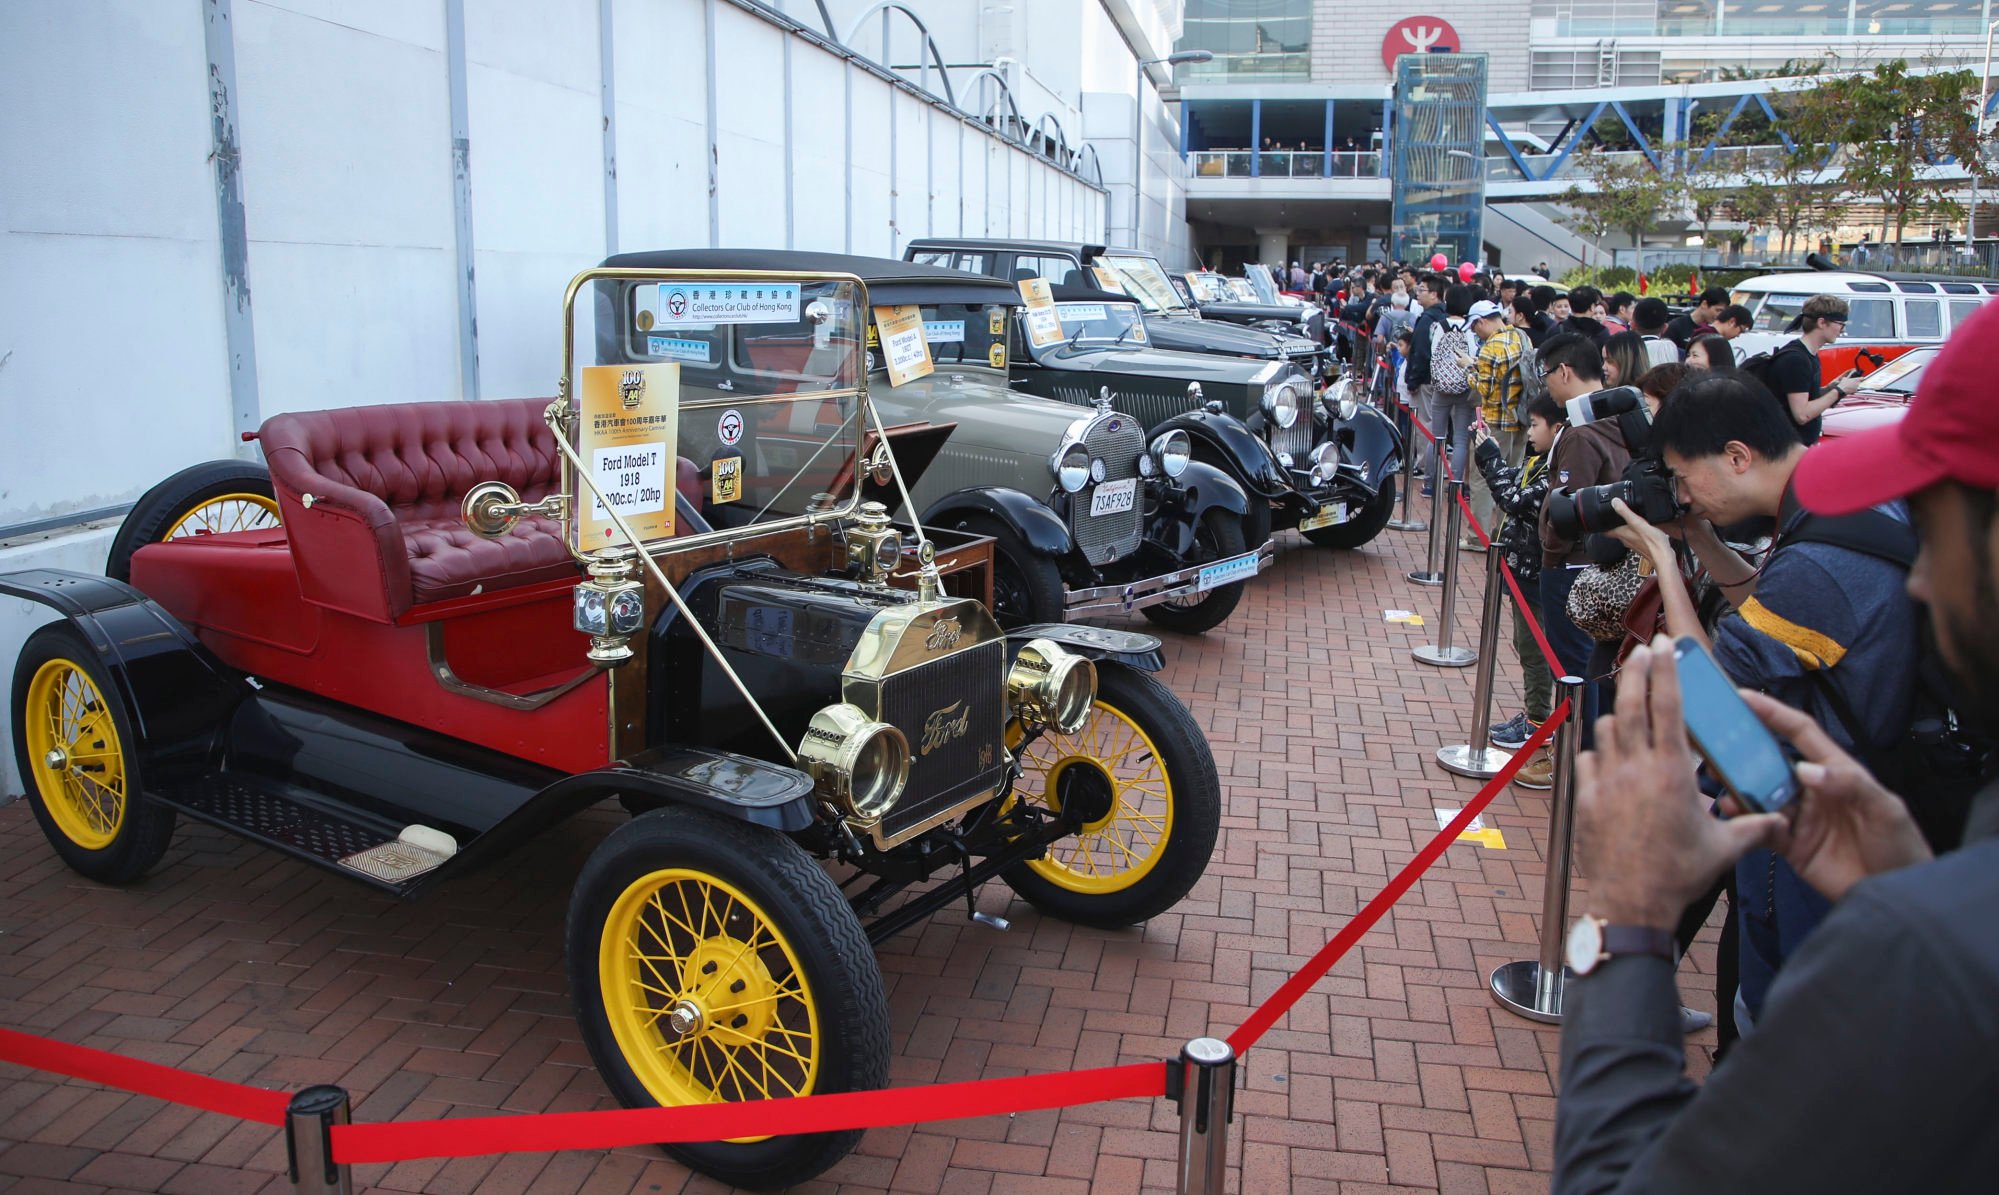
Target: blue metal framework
1438, 170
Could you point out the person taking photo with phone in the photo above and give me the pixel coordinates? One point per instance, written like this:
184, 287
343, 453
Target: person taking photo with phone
1794, 367
1876, 1064
1820, 626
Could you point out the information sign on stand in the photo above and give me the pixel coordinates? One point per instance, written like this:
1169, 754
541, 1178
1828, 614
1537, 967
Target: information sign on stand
627, 430
1044, 326
904, 350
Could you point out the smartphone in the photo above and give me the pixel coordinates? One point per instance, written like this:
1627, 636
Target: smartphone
1741, 751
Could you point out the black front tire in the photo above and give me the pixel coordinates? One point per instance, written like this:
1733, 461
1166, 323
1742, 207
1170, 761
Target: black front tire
95, 814
1363, 526
1220, 537
804, 964
1172, 852
239, 490
1027, 586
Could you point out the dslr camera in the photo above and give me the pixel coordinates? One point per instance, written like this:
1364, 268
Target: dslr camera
1644, 485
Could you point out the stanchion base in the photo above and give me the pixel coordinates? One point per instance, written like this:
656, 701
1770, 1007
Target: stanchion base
1423, 578
1445, 657
1408, 525
1518, 987
1480, 763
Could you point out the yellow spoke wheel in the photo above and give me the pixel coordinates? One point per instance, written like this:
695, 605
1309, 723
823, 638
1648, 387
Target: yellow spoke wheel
705, 996
1139, 785
226, 512
79, 759
1110, 770
76, 758
714, 961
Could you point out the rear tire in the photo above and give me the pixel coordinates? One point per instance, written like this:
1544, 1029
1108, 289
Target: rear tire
1363, 526
738, 928
204, 499
1027, 586
74, 745
1220, 536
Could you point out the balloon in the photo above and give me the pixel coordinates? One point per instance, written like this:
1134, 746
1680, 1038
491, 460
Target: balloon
1439, 262
1466, 271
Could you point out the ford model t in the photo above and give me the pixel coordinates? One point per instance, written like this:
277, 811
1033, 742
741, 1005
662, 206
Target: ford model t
431, 630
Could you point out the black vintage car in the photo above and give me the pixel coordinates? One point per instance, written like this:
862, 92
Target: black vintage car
1172, 319
1325, 465
429, 631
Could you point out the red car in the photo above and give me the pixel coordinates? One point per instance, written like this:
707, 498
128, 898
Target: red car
1883, 399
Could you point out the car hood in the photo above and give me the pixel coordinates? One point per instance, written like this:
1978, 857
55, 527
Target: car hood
1159, 363
988, 413
1216, 336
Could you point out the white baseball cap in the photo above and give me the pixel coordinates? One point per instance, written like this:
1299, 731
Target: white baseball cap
1484, 309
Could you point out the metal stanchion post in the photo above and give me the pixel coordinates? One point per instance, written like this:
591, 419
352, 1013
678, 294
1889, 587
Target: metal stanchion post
1441, 653
1479, 758
309, 1125
1407, 523
1533, 987
1430, 574
1207, 1104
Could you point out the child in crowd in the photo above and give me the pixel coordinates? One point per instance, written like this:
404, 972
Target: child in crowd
1519, 492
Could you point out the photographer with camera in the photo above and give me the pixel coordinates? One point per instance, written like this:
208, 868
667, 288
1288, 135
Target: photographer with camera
1821, 626
1873, 1068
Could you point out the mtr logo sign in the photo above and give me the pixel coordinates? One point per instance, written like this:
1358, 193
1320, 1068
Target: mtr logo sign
1418, 35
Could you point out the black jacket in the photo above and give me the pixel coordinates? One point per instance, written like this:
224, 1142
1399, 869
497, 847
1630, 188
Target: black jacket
1419, 349
1518, 490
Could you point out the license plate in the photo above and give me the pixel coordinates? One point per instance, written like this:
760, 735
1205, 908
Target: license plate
1226, 572
1114, 496
1330, 515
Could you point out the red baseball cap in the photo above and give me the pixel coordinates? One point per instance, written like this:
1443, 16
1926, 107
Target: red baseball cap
1951, 433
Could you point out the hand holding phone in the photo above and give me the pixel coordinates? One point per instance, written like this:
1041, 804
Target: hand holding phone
1742, 753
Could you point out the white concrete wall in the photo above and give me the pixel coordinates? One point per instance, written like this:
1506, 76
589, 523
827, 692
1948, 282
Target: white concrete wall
113, 354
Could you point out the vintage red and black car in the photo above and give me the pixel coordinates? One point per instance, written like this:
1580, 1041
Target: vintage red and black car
367, 656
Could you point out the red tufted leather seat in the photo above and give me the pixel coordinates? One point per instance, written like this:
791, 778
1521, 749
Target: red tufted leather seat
382, 532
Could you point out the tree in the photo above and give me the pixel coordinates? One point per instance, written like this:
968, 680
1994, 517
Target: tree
1627, 194
1903, 126
1795, 178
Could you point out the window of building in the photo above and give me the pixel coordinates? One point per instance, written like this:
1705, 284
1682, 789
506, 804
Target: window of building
1261, 40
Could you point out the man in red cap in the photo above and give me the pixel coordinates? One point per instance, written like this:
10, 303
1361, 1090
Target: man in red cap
1875, 1066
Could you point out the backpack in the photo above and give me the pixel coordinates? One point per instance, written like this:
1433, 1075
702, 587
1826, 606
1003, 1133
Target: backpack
1762, 367
1533, 379
1938, 764
1446, 375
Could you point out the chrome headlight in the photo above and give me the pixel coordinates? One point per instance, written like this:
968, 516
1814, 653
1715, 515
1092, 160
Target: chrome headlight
1173, 450
857, 765
1280, 402
1051, 686
1071, 467
1325, 464
1340, 401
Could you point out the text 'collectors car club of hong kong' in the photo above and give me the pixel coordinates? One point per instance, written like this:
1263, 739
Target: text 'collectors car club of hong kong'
431, 630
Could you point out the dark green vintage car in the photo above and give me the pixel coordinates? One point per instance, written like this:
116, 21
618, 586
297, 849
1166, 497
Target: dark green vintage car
1324, 465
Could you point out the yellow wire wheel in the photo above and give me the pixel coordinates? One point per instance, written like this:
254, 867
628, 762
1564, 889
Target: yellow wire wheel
77, 761
704, 994
226, 512
713, 961
78, 755
1138, 783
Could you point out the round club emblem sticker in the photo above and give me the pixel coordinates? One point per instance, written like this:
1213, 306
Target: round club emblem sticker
676, 303
730, 427
645, 321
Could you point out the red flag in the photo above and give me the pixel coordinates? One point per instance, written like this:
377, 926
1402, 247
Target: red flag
1641, 284
1694, 283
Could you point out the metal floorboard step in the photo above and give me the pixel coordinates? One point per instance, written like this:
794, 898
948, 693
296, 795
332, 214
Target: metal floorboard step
303, 824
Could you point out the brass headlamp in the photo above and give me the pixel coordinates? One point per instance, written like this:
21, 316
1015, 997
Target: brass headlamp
857, 765
873, 546
1051, 686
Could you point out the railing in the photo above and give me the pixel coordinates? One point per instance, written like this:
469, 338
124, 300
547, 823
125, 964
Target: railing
1796, 24
1242, 163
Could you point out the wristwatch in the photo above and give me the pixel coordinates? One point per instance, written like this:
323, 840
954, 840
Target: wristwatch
1592, 940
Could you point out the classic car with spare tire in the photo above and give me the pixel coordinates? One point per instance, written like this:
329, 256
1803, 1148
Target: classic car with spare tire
1324, 465
431, 630
1087, 513
1173, 320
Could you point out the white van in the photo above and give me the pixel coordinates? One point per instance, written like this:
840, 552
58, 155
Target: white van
1889, 314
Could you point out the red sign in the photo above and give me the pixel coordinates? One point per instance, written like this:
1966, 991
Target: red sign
1418, 35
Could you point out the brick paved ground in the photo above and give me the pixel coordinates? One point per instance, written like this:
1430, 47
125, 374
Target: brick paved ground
1396, 1073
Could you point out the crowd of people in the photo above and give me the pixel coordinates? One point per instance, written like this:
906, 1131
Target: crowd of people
1850, 591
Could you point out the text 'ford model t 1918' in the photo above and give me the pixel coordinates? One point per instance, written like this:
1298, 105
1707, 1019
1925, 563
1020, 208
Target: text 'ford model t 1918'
370, 658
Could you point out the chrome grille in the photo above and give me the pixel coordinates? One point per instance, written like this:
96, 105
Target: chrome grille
1116, 440
925, 703
1296, 439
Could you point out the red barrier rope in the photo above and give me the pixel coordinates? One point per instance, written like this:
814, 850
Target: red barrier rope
1283, 998
146, 1078
1527, 608
478, 1136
